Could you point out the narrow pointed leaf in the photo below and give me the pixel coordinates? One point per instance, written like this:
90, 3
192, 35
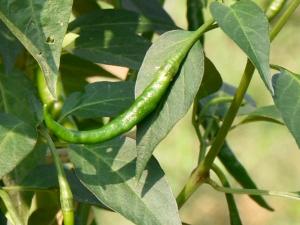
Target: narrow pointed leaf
176, 103
232, 207
17, 140
233, 210
100, 99
240, 174
247, 25
40, 26
287, 100
265, 113
108, 171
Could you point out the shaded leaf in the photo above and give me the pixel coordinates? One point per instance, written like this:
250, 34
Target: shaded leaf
177, 101
48, 179
119, 20
108, 42
240, 174
84, 6
10, 48
286, 98
17, 140
194, 14
18, 97
212, 80
30, 162
247, 25
76, 71
100, 99
151, 9
108, 170
34, 24
233, 210
218, 103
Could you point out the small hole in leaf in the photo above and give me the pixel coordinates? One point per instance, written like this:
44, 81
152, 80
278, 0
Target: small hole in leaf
50, 40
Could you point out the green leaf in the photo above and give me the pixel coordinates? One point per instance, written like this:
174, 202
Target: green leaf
10, 48
17, 140
266, 113
3, 220
18, 97
287, 91
81, 7
240, 174
76, 71
212, 80
107, 42
108, 170
151, 9
218, 103
194, 14
48, 179
30, 162
247, 25
177, 101
100, 99
40, 26
233, 210
118, 20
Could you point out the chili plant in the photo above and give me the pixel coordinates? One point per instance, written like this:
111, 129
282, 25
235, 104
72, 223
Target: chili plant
70, 142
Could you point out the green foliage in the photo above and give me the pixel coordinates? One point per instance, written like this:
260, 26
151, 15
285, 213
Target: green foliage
41, 33
150, 201
44, 175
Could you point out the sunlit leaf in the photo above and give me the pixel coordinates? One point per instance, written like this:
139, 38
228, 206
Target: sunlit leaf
108, 171
247, 25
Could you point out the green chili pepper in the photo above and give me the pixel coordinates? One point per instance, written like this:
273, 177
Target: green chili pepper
274, 8
142, 106
65, 193
45, 95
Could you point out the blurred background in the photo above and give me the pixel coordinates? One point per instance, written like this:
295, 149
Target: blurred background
267, 150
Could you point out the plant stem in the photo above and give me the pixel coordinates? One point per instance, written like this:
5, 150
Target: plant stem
201, 173
66, 196
284, 18
205, 27
21, 188
230, 116
8, 208
292, 195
